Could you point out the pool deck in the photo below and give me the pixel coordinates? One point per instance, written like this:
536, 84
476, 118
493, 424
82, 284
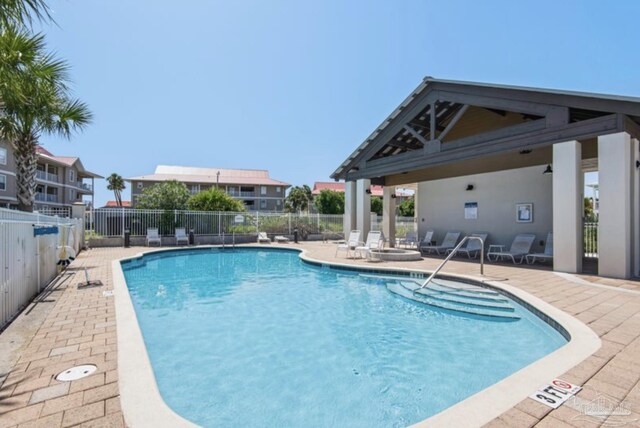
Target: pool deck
78, 327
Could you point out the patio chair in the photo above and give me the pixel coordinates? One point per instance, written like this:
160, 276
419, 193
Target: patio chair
427, 241
409, 240
153, 236
520, 247
548, 252
181, 236
263, 238
449, 242
374, 241
473, 246
281, 239
351, 244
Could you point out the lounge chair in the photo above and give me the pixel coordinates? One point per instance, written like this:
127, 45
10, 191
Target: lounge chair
153, 236
449, 242
548, 251
473, 246
281, 239
263, 238
427, 241
351, 244
410, 240
181, 236
374, 241
520, 247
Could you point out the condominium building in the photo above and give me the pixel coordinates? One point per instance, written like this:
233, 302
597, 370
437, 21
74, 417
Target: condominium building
60, 180
253, 187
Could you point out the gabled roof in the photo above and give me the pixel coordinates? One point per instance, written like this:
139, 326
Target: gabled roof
450, 100
65, 161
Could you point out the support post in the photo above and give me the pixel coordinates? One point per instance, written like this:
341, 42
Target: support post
349, 219
615, 221
567, 207
635, 182
389, 215
363, 206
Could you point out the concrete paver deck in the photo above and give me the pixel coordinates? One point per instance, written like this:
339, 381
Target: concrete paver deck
80, 329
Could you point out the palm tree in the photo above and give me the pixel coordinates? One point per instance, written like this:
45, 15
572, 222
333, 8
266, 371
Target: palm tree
21, 12
116, 183
35, 100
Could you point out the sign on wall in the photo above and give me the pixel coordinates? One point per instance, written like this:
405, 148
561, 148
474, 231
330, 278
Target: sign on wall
524, 213
470, 210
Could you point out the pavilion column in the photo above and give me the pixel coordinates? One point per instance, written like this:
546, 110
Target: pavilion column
349, 219
567, 207
363, 207
615, 174
635, 206
389, 215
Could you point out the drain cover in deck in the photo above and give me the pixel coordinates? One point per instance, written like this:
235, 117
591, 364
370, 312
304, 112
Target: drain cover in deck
75, 373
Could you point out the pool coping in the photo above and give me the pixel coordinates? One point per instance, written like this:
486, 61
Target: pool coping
142, 403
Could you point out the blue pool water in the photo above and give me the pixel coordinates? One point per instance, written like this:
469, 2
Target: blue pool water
258, 338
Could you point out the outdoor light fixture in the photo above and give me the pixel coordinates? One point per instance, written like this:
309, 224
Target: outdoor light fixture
548, 170
368, 191
637, 164
393, 196
469, 187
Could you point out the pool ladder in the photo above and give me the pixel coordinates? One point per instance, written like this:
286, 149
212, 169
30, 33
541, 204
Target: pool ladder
453, 253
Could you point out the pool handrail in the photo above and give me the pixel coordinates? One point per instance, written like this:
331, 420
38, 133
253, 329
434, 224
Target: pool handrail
453, 252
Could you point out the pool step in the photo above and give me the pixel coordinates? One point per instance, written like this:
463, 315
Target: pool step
493, 298
457, 286
452, 298
496, 313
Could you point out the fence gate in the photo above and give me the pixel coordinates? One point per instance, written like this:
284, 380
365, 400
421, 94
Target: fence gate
590, 239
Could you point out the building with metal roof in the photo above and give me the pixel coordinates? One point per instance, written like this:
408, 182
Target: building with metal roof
253, 187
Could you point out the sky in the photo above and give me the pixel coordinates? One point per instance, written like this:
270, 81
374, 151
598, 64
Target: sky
295, 86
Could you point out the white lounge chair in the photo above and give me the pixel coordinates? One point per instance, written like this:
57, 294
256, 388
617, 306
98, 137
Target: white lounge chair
410, 240
427, 241
153, 236
548, 251
263, 238
449, 242
281, 239
520, 247
473, 246
181, 236
351, 244
374, 242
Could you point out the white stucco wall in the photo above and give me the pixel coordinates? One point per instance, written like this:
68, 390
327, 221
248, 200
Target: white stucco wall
440, 204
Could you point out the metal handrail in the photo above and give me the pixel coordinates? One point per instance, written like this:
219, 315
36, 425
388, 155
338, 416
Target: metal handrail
453, 252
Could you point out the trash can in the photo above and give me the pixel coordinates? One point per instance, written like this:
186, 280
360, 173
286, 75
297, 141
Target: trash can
295, 235
192, 237
127, 238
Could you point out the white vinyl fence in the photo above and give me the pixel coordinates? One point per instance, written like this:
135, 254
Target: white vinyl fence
29, 262
112, 222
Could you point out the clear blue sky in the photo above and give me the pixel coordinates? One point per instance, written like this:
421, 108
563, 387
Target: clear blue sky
295, 86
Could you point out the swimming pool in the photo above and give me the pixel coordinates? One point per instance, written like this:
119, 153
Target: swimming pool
257, 337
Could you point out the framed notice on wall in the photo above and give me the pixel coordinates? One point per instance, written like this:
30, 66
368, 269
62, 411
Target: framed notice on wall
470, 210
524, 213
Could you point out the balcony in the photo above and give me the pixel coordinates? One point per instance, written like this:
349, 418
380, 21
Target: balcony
236, 194
85, 186
45, 197
43, 175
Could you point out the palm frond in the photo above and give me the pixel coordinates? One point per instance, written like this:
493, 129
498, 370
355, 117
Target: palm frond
23, 12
